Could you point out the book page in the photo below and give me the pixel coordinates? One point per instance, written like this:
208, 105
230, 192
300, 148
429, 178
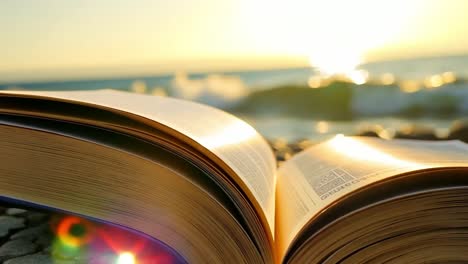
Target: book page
322, 174
229, 141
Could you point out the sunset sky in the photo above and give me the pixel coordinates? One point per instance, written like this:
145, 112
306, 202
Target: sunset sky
81, 38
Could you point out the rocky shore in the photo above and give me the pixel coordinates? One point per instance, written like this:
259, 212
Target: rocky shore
25, 237
458, 131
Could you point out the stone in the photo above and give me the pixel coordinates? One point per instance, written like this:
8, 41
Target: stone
16, 248
367, 133
31, 233
47, 249
8, 223
283, 155
416, 132
459, 130
31, 259
305, 143
36, 218
44, 241
4, 232
279, 144
15, 211
11, 222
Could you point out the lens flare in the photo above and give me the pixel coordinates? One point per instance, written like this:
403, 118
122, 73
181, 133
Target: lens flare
74, 232
126, 258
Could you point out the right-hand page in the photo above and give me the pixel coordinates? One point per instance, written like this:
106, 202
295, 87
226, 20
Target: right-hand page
320, 175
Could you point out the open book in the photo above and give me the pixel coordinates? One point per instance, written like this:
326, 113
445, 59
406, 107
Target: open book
207, 184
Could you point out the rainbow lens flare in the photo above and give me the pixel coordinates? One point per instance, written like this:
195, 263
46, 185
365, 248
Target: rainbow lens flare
74, 232
95, 242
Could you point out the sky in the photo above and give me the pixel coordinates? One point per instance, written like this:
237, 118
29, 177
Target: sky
54, 38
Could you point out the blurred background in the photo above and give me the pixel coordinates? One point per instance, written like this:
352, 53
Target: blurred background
297, 69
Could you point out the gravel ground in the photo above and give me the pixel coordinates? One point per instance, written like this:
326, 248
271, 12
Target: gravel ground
26, 237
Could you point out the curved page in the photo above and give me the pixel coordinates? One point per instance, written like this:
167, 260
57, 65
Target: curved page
235, 144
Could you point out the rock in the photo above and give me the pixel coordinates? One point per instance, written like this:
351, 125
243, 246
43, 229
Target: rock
47, 249
8, 223
31, 259
283, 155
16, 248
11, 222
300, 145
4, 232
305, 143
279, 144
16, 211
31, 233
459, 130
367, 133
416, 132
44, 241
36, 218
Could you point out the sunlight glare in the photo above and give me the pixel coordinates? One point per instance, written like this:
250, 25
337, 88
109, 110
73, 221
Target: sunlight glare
349, 29
234, 133
356, 149
335, 60
334, 35
126, 258
358, 76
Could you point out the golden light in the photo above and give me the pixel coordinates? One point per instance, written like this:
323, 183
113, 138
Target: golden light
138, 87
387, 79
335, 60
335, 35
315, 82
234, 133
410, 86
449, 77
158, 91
434, 81
358, 76
347, 30
387, 133
322, 127
356, 149
126, 258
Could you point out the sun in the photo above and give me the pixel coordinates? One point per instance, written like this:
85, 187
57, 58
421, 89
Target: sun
335, 35
349, 29
333, 61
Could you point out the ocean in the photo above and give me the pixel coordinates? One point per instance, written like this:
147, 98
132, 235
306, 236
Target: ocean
281, 103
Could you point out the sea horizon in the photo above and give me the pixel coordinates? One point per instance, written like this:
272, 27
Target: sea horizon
121, 72
429, 91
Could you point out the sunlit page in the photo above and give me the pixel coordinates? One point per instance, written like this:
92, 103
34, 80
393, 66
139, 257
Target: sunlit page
229, 138
322, 174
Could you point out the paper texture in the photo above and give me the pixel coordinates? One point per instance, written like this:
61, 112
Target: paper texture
231, 140
319, 176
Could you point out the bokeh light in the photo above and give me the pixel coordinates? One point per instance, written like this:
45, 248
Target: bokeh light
126, 258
